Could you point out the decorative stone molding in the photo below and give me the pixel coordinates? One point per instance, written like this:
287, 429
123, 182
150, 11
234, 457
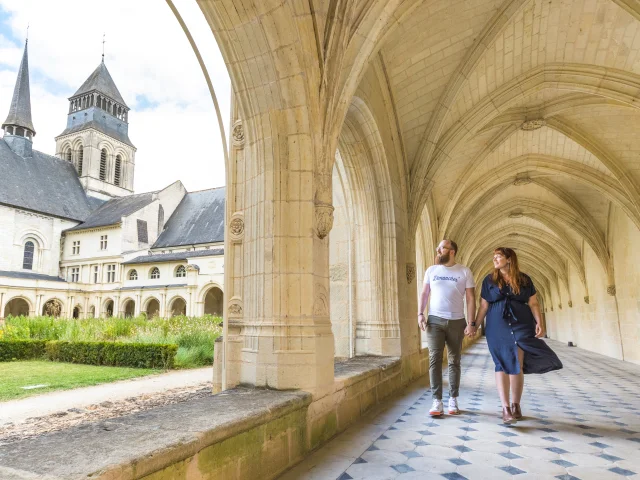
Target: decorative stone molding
237, 134
522, 180
516, 214
560, 306
530, 125
552, 308
192, 267
236, 227
611, 290
570, 304
514, 234
324, 219
586, 299
235, 307
321, 302
411, 272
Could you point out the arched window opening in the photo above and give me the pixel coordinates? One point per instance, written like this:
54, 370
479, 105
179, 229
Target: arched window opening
27, 258
129, 309
153, 308
181, 272
160, 219
92, 312
155, 273
103, 165
108, 309
178, 307
118, 171
133, 275
53, 308
76, 312
213, 302
67, 155
16, 307
80, 160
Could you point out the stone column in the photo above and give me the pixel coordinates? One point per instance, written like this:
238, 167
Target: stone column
138, 306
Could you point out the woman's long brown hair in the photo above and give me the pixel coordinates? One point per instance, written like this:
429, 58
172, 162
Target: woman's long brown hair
517, 278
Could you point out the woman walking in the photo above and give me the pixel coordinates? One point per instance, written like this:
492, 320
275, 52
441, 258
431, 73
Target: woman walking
513, 330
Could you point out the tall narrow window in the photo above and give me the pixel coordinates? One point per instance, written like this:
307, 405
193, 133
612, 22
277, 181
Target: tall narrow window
95, 274
75, 274
80, 159
111, 273
27, 259
118, 171
103, 164
103, 242
76, 248
67, 156
160, 219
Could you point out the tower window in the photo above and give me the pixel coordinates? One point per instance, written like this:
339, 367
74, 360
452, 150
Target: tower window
67, 156
160, 219
27, 259
155, 273
181, 272
103, 164
118, 171
80, 159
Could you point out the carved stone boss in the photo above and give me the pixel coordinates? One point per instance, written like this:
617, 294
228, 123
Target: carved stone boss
324, 219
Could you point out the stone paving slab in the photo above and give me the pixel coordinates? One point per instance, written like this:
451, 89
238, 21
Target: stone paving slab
582, 423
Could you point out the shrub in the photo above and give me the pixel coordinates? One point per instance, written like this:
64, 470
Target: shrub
21, 349
117, 354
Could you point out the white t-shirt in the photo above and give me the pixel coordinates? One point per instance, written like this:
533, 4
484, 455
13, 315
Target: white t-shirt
448, 286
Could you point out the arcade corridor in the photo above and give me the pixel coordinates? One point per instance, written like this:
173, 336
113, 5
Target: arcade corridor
582, 422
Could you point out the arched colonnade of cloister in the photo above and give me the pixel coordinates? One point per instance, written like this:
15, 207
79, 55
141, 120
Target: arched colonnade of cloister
364, 132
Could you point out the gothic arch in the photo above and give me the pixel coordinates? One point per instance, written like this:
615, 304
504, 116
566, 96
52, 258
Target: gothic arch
16, 306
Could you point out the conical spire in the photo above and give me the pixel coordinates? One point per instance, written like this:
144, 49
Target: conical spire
100, 81
20, 110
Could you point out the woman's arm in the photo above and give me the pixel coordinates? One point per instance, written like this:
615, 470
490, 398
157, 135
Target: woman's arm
535, 310
482, 311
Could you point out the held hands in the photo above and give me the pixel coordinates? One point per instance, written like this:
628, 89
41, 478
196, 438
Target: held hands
539, 331
470, 331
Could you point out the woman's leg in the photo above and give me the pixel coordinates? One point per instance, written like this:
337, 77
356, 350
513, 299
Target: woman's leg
517, 381
502, 383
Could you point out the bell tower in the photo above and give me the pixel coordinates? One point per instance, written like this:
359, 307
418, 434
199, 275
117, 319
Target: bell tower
96, 139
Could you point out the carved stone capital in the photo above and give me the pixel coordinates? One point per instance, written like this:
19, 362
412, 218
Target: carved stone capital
560, 306
533, 124
411, 272
237, 134
586, 299
235, 307
236, 227
611, 290
324, 219
570, 304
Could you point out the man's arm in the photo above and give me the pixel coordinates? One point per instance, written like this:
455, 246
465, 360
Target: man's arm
424, 298
471, 310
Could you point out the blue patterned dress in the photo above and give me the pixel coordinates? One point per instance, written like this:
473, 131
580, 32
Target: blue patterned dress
509, 325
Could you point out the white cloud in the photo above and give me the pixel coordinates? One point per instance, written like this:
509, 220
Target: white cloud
172, 122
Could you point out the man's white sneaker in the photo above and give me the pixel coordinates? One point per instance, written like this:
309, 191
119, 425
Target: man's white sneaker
436, 408
453, 406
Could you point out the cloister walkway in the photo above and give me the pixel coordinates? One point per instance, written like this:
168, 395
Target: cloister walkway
582, 422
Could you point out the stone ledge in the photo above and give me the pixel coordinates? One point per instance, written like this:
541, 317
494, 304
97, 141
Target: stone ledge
137, 445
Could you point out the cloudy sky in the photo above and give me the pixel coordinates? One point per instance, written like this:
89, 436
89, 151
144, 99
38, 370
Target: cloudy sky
172, 120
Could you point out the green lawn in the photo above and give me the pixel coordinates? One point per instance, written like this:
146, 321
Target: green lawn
58, 376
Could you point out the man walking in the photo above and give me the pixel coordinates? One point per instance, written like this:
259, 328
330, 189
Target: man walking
446, 285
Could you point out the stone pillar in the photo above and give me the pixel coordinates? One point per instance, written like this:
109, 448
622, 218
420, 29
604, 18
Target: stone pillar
138, 306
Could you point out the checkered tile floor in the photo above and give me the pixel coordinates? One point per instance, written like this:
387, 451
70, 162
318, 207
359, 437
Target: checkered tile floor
582, 422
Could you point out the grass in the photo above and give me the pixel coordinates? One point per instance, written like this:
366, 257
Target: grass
57, 376
195, 336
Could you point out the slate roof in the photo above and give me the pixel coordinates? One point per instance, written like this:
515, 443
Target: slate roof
112, 211
112, 132
199, 218
100, 80
31, 276
172, 257
42, 183
20, 109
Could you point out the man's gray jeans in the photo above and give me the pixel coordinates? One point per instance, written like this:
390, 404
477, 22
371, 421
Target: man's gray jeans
441, 331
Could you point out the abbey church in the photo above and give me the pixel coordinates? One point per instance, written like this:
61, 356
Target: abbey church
77, 242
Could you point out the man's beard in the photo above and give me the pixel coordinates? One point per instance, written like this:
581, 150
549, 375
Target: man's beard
443, 259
